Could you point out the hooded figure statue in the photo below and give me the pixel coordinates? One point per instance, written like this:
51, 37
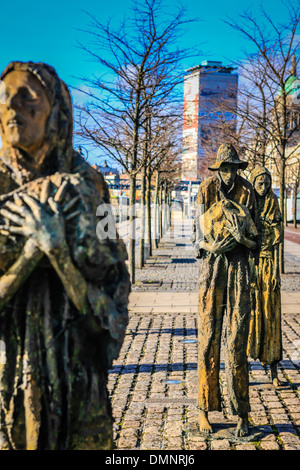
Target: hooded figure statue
63, 288
265, 341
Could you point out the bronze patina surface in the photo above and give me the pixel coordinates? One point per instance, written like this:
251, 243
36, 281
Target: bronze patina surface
226, 203
265, 337
63, 291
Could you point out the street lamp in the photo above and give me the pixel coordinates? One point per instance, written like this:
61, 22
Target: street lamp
79, 149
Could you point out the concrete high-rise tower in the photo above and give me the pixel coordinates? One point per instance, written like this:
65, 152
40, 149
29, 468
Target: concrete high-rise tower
206, 86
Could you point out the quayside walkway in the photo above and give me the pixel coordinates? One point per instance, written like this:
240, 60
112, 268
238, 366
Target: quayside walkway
153, 383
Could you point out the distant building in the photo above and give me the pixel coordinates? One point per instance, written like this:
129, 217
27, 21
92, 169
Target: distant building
110, 174
205, 86
124, 180
292, 90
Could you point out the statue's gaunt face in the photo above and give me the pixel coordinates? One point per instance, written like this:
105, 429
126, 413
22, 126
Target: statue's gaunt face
262, 185
24, 112
228, 172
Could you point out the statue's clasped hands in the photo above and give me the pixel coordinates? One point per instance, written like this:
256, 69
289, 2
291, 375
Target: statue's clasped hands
223, 246
40, 220
219, 247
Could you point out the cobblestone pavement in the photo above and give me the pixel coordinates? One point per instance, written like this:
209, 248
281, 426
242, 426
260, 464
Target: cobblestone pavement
153, 383
173, 266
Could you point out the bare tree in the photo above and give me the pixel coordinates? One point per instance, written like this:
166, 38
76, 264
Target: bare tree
167, 176
141, 69
163, 145
268, 69
221, 129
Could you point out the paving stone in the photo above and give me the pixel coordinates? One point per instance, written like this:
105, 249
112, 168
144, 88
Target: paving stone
245, 447
268, 435
126, 443
173, 432
153, 445
198, 446
151, 428
130, 433
172, 446
289, 438
292, 447
260, 421
130, 424
222, 444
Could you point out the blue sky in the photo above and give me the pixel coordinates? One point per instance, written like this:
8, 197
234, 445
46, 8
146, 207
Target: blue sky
49, 31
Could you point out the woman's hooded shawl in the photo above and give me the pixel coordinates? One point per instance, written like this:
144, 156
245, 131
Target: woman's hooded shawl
59, 132
268, 212
60, 155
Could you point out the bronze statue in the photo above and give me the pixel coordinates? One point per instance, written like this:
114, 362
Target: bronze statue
63, 292
229, 235
265, 341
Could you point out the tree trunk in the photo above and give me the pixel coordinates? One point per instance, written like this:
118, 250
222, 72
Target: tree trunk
160, 213
295, 207
170, 206
132, 227
166, 211
156, 211
143, 219
282, 209
132, 179
148, 198
163, 201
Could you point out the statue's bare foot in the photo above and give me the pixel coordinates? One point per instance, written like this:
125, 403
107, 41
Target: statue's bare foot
242, 428
277, 382
4, 445
204, 423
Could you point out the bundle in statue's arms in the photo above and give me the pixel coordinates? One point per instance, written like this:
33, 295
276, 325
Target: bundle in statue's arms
214, 224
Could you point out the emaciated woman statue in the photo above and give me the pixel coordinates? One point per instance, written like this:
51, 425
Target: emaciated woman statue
63, 291
265, 342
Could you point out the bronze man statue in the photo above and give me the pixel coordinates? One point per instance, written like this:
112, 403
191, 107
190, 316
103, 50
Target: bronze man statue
63, 291
227, 202
265, 341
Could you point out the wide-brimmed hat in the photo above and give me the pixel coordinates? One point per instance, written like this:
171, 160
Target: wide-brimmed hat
227, 154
